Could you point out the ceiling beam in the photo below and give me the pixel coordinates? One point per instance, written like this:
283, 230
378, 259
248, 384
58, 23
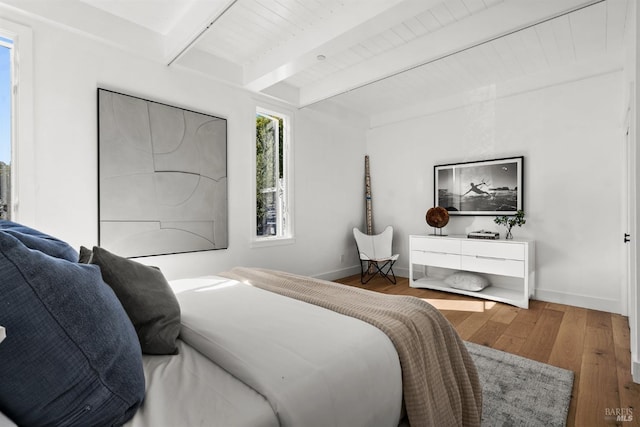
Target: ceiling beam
200, 16
350, 26
456, 37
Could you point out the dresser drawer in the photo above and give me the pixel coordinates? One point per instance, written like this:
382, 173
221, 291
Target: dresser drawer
493, 249
501, 266
435, 245
436, 259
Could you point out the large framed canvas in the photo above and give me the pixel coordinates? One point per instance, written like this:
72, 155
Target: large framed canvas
488, 187
162, 177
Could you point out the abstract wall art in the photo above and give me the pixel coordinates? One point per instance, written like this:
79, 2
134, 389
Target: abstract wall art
162, 177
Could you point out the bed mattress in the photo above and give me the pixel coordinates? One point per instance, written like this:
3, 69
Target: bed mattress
249, 357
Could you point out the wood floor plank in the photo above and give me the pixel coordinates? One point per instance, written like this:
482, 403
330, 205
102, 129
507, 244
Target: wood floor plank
525, 321
598, 390
539, 343
489, 333
599, 319
628, 390
569, 344
558, 307
470, 326
505, 314
568, 349
509, 343
456, 317
593, 344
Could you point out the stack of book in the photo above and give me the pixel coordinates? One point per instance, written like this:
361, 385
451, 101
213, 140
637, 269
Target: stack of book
483, 234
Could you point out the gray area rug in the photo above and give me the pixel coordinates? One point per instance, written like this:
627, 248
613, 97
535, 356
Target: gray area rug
521, 392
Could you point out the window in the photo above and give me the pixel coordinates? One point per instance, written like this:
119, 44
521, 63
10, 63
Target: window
273, 181
6, 125
16, 122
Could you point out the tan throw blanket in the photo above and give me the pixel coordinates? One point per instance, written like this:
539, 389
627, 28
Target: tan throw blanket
440, 381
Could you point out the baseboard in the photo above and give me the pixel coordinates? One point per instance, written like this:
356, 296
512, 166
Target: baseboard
353, 270
401, 272
339, 274
584, 301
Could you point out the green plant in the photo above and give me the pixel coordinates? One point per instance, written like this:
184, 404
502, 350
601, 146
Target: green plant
509, 221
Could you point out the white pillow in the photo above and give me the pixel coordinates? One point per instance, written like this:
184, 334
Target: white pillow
467, 281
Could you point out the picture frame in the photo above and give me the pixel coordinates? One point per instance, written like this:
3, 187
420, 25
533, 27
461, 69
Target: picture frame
486, 187
162, 177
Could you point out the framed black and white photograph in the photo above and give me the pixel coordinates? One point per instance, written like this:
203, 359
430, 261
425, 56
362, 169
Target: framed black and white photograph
488, 187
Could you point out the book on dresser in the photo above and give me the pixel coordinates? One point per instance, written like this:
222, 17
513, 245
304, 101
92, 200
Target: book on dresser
483, 234
509, 263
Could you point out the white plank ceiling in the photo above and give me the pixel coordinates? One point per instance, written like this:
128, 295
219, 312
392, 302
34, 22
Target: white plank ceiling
369, 56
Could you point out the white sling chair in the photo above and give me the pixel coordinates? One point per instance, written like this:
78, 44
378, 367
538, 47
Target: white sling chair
375, 254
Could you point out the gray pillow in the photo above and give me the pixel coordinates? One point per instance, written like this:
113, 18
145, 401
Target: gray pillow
467, 281
84, 255
147, 298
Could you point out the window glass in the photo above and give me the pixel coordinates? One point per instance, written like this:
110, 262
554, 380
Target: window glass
271, 175
6, 114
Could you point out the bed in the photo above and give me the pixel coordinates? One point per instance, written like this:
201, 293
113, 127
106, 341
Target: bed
278, 347
252, 347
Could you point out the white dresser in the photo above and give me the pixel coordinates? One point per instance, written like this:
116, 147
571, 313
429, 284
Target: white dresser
510, 264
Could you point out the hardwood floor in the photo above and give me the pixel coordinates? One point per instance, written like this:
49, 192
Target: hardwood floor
593, 344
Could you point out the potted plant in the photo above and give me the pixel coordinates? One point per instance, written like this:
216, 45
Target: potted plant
510, 221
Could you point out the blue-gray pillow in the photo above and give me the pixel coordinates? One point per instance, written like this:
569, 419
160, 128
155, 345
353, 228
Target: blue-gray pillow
39, 241
71, 355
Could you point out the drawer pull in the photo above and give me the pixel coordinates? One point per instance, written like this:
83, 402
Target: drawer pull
491, 258
438, 253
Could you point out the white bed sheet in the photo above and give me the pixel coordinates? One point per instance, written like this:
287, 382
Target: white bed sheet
189, 390
5, 421
315, 367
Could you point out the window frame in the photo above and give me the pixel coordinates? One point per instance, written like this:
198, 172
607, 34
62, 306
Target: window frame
287, 236
23, 171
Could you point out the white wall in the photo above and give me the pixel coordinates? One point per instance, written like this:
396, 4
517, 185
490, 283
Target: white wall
571, 137
67, 70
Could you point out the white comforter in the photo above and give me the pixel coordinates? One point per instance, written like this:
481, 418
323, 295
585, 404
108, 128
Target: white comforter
314, 367
190, 390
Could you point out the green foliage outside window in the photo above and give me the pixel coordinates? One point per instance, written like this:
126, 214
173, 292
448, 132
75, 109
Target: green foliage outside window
265, 170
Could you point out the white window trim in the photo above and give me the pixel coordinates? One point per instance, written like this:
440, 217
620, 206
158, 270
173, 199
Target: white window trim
289, 235
23, 170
